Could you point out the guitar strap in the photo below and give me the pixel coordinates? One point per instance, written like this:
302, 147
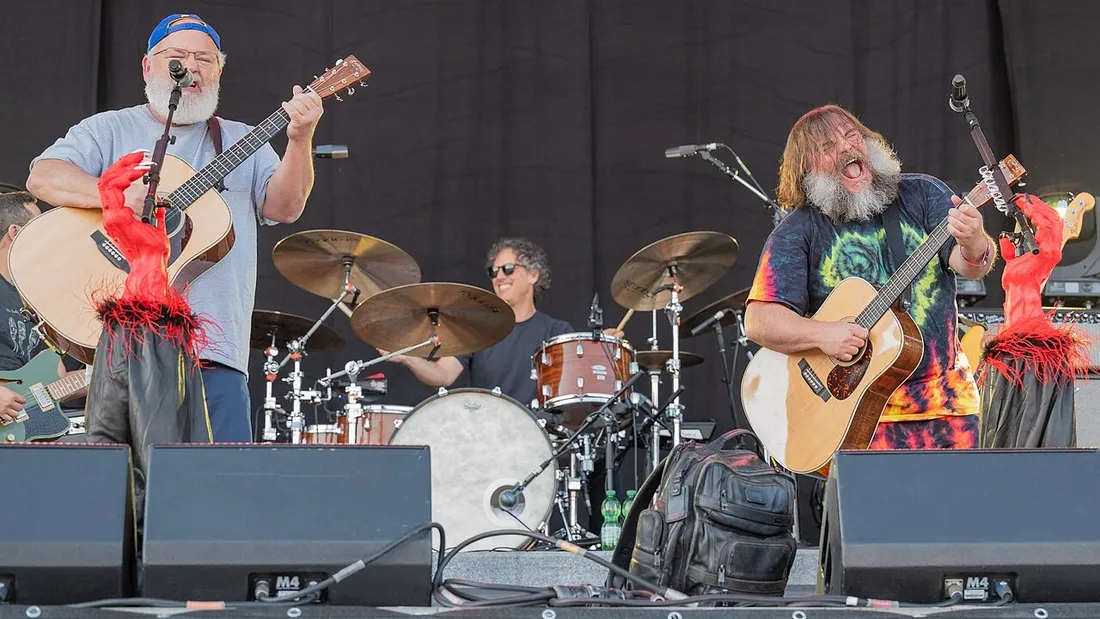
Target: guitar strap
215, 129
895, 246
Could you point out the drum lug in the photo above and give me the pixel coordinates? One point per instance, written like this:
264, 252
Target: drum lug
618, 353
545, 359
496, 391
580, 351
397, 423
580, 382
546, 391
618, 385
442, 391
534, 374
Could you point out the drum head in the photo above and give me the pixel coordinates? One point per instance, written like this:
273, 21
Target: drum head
481, 444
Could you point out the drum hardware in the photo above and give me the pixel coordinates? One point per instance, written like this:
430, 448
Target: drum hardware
729, 310
662, 275
582, 462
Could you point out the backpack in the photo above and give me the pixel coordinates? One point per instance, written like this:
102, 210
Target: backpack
710, 520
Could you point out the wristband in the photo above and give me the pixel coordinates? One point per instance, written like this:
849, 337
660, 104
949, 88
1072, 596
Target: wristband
985, 256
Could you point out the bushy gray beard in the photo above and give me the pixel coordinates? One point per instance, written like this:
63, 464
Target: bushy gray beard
826, 191
194, 107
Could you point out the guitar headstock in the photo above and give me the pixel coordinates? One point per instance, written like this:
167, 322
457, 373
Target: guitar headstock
1074, 215
1014, 172
345, 74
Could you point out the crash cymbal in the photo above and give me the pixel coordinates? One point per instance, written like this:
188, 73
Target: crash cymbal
313, 260
654, 360
286, 327
732, 303
469, 318
698, 259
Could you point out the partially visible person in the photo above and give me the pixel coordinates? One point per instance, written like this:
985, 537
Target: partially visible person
837, 177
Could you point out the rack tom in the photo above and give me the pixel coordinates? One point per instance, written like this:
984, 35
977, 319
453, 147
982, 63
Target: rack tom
579, 372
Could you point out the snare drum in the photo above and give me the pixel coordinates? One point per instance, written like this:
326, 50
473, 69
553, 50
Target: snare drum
482, 443
377, 423
579, 372
323, 434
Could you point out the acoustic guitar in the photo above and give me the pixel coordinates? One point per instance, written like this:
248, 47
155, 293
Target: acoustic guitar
43, 392
64, 254
805, 407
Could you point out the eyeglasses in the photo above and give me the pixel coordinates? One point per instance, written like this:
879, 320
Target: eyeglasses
175, 53
507, 268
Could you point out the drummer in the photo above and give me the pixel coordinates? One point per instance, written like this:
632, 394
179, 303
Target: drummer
520, 273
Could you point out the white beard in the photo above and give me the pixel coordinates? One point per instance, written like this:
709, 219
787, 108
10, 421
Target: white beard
826, 191
194, 107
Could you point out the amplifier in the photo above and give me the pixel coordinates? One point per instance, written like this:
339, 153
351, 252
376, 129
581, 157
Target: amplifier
1086, 319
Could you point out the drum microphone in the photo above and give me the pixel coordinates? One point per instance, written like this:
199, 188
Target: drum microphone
719, 315
180, 74
959, 99
688, 150
595, 314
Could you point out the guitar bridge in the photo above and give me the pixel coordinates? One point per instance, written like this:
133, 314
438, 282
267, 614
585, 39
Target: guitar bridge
813, 381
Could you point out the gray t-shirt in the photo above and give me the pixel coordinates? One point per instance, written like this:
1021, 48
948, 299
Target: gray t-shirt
225, 294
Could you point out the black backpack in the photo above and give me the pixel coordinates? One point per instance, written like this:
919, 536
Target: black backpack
711, 520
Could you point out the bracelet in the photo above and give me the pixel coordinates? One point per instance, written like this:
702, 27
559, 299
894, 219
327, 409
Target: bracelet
985, 256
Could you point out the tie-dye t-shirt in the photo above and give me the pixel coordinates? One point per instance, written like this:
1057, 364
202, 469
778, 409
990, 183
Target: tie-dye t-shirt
808, 254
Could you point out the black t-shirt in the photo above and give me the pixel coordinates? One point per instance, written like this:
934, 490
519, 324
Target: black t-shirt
507, 364
19, 343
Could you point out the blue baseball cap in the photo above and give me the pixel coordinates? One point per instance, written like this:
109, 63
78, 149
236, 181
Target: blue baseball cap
180, 21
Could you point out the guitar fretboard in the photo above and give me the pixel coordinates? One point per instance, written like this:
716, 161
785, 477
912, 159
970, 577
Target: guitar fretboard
213, 172
67, 386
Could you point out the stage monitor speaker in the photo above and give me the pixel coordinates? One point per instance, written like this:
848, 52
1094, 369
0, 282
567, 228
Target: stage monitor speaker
914, 525
223, 520
68, 532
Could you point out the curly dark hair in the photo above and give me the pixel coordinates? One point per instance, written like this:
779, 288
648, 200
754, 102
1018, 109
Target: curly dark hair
13, 209
529, 255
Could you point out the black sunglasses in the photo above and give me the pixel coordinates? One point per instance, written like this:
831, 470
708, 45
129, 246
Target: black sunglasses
507, 268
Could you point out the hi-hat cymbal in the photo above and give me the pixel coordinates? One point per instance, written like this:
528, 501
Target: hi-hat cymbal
654, 360
287, 327
733, 303
695, 260
313, 260
469, 318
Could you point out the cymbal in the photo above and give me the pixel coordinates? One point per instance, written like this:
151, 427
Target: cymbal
654, 360
286, 327
698, 258
733, 303
469, 318
313, 260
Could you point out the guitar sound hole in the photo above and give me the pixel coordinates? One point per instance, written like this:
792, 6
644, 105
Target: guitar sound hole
843, 379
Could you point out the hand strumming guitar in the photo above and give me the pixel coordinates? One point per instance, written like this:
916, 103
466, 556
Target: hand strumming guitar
841, 340
11, 404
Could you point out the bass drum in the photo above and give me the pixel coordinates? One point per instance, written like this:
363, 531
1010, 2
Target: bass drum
482, 443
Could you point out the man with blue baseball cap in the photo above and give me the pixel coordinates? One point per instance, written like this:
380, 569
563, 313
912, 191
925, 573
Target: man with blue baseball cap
262, 190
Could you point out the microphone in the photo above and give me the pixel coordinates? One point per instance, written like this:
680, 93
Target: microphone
959, 100
180, 74
688, 150
719, 315
331, 151
595, 314
509, 497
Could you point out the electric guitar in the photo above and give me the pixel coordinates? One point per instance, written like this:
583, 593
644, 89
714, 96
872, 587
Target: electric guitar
64, 254
805, 407
43, 391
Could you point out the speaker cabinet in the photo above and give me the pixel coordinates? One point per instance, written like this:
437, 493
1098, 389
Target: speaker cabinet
68, 532
909, 525
221, 520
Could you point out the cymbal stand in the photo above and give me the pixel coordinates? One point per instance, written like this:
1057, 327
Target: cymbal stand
354, 367
673, 311
581, 465
654, 390
271, 407
740, 341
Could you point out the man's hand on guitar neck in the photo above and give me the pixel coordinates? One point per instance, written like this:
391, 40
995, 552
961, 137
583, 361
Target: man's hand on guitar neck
11, 404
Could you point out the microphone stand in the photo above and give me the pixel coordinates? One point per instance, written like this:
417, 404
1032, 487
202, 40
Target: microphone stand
1025, 238
153, 177
777, 212
514, 493
727, 375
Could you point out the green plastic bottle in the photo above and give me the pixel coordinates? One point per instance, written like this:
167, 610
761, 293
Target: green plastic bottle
628, 504
611, 529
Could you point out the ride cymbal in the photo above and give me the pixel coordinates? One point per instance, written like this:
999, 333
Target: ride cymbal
313, 260
695, 260
286, 327
654, 360
732, 303
468, 318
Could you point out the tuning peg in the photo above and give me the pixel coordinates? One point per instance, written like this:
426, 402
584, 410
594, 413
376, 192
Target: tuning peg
314, 77
351, 91
363, 83
338, 97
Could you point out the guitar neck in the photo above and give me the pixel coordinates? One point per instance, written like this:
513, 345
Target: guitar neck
213, 172
904, 276
64, 388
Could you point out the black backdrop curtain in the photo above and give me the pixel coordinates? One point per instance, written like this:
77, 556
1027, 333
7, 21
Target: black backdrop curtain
548, 119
